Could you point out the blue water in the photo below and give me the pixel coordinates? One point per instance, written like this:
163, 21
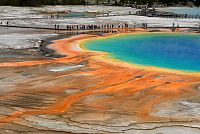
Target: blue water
182, 10
76, 14
173, 51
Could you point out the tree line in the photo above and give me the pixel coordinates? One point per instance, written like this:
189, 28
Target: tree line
40, 2
166, 2
83, 2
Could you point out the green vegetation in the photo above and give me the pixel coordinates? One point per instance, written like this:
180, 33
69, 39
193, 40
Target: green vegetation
166, 2
41, 2
82, 2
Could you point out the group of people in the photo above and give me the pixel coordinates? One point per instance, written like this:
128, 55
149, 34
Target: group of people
173, 25
53, 16
144, 25
7, 23
91, 27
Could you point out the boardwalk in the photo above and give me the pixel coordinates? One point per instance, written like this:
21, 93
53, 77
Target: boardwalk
95, 27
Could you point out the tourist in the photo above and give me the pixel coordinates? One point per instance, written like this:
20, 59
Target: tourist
126, 25
173, 25
55, 26
177, 25
199, 28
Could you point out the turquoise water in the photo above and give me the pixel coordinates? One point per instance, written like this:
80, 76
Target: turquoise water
76, 14
182, 10
173, 51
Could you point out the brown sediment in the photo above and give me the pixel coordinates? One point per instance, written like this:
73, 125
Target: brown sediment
138, 89
61, 47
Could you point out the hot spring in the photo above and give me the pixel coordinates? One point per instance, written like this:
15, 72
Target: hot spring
165, 50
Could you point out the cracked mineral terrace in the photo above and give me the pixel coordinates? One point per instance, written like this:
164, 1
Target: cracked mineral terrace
79, 92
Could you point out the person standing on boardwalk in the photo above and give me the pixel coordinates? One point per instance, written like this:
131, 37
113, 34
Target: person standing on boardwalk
134, 26
8, 23
199, 28
55, 26
126, 25
173, 27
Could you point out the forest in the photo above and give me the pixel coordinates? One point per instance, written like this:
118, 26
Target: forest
84, 2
